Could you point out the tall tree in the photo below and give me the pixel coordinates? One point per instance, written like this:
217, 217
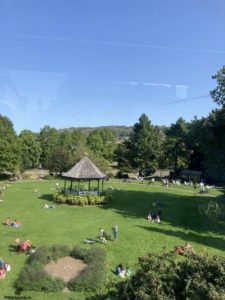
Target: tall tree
218, 94
144, 145
48, 138
9, 146
102, 142
177, 144
30, 149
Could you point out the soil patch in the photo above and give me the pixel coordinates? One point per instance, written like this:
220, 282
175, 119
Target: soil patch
66, 268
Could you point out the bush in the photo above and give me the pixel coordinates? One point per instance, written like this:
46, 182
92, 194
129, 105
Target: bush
58, 251
34, 278
42, 255
164, 277
93, 277
79, 252
82, 200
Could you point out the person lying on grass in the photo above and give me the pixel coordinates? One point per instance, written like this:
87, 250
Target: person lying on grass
49, 206
23, 246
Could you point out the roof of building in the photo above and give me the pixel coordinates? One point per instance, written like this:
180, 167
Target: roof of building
84, 169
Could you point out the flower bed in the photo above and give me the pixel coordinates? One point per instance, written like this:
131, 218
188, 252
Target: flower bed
83, 200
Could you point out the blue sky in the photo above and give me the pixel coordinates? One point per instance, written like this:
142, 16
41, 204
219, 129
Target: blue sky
77, 63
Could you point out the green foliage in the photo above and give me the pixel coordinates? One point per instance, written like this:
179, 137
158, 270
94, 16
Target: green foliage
176, 146
9, 146
165, 277
202, 277
30, 149
102, 143
94, 276
218, 94
48, 138
34, 278
81, 200
141, 150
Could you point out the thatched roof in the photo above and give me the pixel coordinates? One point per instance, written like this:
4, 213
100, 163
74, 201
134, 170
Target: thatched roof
84, 169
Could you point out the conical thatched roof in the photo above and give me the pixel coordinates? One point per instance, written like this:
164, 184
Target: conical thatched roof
84, 169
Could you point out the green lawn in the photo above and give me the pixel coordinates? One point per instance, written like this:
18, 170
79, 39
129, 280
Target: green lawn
131, 203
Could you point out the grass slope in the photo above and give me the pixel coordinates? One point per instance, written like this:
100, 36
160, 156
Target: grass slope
131, 203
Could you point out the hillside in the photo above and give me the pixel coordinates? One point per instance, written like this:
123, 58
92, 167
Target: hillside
118, 131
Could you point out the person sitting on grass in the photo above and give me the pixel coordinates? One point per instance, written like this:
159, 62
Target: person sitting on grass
16, 223
7, 221
158, 221
120, 271
49, 206
149, 217
103, 235
184, 250
188, 248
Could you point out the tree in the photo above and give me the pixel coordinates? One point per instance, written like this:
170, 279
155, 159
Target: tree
218, 94
177, 144
102, 142
30, 149
165, 277
48, 138
144, 145
9, 146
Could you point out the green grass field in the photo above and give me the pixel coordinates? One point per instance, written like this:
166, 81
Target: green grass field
181, 222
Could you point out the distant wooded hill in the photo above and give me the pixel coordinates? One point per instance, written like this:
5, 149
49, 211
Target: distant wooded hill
118, 131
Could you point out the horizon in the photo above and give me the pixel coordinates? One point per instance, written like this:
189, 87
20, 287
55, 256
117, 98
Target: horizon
92, 64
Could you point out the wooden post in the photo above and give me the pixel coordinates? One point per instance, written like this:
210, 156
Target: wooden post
98, 186
64, 185
89, 185
102, 184
71, 185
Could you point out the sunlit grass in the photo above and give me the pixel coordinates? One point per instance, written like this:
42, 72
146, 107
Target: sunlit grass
181, 221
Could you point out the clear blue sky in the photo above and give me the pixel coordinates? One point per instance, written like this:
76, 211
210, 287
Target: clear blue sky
69, 63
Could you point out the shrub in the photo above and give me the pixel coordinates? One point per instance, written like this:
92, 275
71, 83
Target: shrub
34, 278
93, 277
79, 252
42, 255
58, 251
82, 200
164, 277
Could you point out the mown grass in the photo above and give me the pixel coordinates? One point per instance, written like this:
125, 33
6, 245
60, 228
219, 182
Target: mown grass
181, 222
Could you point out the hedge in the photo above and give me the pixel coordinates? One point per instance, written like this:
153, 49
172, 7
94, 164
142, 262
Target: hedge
83, 200
34, 278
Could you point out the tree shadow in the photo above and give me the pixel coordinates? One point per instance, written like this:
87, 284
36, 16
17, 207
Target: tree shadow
209, 241
179, 211
47, 197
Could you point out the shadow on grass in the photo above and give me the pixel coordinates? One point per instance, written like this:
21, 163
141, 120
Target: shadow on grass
47, 197
179, 211
209, 241
13, 248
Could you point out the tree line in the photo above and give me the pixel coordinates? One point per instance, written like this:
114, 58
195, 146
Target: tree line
196, 145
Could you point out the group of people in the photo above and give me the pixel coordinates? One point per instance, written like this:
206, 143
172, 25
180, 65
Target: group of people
122, 272
104, 236
16, 223
4, 267
184, 250
154, 217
